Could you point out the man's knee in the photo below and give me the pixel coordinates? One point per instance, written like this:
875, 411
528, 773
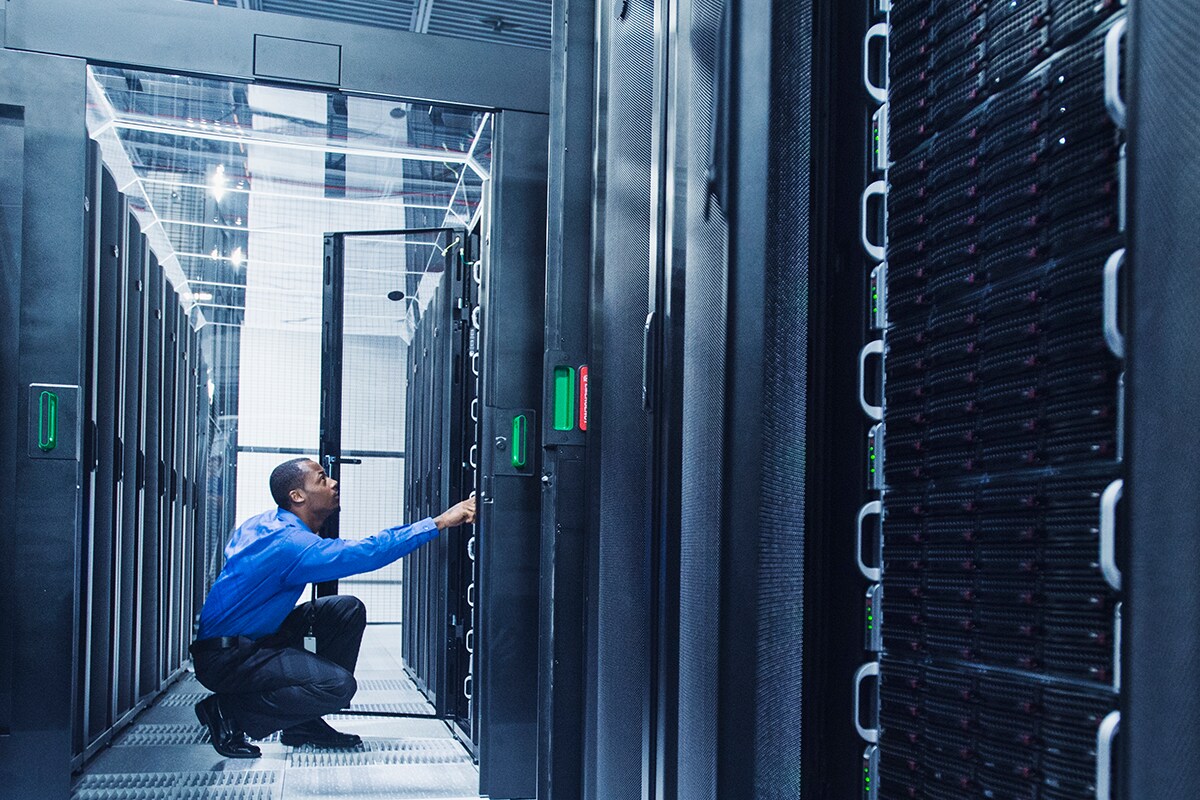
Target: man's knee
346, 607
339, 687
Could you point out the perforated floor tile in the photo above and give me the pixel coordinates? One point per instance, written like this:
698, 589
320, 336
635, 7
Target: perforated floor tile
383, 751
367, 782
233, 785
154, 735
165, 755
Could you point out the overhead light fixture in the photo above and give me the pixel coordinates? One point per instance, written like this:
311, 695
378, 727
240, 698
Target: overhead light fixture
217, 185
215, 253
202, 296
237, 257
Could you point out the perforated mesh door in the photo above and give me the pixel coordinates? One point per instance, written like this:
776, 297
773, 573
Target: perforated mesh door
386, 279
623, 643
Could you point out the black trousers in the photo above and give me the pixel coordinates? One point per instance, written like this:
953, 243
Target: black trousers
273, 683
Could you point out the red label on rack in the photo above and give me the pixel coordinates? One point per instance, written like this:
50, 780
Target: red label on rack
583, 397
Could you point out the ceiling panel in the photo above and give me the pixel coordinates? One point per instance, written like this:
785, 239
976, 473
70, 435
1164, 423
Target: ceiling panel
522, 23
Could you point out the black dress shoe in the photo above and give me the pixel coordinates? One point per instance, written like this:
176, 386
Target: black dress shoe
318, 733
225, 736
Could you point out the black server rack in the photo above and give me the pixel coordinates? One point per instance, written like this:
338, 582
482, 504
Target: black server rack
439, 440
995, 236
143, 409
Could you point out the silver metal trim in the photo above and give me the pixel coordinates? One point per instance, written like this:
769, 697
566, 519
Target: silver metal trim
1112, 73
878, 286
870, 669
473, 456
873, 508
869, 349
469, 641
880, 157
468, 686
471, 594
1122, 187
1104, 744
875, 251
1112, 287
875, 438
475, 316
877, 31
871, 770
1108, 533
1117, 611
471, 548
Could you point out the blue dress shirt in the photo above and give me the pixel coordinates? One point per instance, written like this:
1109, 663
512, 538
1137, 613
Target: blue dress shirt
273, 556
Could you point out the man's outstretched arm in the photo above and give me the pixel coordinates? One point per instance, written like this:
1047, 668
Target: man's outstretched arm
332, 559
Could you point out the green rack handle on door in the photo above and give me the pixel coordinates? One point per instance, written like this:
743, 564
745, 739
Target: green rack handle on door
47, 421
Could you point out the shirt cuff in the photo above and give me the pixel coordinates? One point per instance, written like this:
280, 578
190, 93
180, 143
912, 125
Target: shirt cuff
425, 526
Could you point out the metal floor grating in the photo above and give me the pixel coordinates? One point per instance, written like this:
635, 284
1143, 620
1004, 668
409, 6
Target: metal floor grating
155, 735
165, 755
403, 751
241, 785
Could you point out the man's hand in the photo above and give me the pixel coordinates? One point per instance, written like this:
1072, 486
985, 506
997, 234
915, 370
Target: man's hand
463, 513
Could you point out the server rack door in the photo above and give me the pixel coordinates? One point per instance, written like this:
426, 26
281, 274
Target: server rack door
623, 335
132, 264
169, 530
151, 632
102, 563
44, 261
88, 454
507, 545
381, 289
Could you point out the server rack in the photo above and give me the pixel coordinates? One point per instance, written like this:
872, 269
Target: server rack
437, 428
143, 406
999, 455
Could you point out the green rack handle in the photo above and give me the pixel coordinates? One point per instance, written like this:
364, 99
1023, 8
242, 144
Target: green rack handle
519, 435
47, 421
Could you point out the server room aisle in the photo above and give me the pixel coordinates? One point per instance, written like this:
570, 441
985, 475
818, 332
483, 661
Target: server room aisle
165, 754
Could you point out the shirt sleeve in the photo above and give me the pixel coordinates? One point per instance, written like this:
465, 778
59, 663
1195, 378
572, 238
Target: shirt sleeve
331, 559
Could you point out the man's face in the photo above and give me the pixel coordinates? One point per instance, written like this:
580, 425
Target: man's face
321, 493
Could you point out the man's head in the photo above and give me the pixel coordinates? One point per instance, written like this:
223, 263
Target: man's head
302, 487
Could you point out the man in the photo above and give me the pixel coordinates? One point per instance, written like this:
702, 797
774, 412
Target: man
274, 665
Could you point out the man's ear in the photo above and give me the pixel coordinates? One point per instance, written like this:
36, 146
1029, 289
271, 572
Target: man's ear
297, 496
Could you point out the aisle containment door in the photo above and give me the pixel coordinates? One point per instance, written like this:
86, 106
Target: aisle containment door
43, 146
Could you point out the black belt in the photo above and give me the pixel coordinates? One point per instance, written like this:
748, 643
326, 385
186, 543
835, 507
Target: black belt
216, 643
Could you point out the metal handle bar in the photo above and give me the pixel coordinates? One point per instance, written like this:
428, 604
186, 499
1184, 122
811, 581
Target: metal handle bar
1108, 533
873, 574
475, 316
875, 251
475, 410
871, 668
468, 686
1104, 746
1112, 331
869, 349
472, 456
469, 641
471, 595
877, 31
477, 271
1112, 73
475, 364
471, 548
